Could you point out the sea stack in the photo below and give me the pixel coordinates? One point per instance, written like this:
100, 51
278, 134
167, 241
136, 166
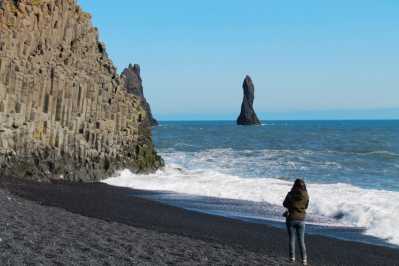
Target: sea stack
248, 116
134, 85
64, 112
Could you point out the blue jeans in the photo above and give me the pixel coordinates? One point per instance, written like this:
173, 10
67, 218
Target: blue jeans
296, 229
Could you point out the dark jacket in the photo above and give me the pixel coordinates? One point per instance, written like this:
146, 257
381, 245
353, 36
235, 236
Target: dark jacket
296, 202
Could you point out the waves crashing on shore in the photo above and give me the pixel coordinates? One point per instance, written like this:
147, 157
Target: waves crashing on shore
345, 204
351, 168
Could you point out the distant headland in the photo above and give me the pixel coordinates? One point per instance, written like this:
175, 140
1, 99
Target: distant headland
134, 84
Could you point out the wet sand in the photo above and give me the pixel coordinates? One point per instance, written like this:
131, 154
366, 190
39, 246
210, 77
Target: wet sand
97, 224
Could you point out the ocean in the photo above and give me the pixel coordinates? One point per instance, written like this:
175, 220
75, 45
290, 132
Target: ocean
351, 169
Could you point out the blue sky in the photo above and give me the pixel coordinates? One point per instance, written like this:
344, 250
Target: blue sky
308, 59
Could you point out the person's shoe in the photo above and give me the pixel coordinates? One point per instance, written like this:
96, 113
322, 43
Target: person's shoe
292, 259
305, 262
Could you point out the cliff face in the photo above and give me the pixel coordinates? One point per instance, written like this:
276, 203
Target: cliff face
248, 115
64, 112
134, 84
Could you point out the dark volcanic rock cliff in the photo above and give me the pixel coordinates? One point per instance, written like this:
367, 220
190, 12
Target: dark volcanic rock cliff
248, 115
134, 84
64, 112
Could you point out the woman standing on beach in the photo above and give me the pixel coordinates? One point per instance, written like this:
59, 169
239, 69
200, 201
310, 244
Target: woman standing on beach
296, 201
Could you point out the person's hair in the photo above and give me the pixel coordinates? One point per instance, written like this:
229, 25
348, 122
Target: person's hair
299, 185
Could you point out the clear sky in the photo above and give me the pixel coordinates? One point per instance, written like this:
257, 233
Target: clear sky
308, 59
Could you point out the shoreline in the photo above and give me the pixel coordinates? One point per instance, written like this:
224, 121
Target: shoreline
263, 244
209, 205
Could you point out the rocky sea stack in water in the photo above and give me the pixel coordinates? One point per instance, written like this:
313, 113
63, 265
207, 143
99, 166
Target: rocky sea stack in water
64, 111
134, 84
248, 115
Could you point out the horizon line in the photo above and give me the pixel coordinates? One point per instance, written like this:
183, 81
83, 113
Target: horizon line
234, 120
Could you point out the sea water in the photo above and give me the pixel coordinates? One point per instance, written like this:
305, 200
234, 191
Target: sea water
351, 169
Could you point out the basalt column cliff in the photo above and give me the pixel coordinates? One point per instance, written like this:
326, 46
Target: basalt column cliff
64, 112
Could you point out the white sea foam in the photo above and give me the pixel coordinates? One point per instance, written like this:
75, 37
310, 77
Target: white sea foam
265, 163
375, 210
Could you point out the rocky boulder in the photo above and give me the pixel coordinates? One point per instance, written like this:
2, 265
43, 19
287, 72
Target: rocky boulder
248, 115
134, 84
64, 112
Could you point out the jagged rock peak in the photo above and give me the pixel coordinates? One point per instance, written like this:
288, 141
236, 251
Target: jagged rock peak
134, 85
135, 68
64, 112
248, 115
132, 78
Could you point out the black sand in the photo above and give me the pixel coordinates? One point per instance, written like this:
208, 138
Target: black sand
97, 224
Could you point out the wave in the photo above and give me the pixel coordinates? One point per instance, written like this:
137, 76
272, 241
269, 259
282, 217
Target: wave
383, 153
264, 162
375, 210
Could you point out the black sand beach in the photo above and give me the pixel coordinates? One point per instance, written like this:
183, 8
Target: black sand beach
97, 224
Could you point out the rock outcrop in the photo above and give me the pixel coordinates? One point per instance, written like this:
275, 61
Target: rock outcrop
64, 112
248, 115
134, 84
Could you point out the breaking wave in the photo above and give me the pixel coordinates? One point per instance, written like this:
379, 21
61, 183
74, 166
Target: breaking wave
375, 210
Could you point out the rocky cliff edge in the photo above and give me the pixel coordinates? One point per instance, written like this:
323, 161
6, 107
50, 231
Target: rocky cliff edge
64, 112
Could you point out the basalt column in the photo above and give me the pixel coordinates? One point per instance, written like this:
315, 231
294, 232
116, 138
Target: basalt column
64, 112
